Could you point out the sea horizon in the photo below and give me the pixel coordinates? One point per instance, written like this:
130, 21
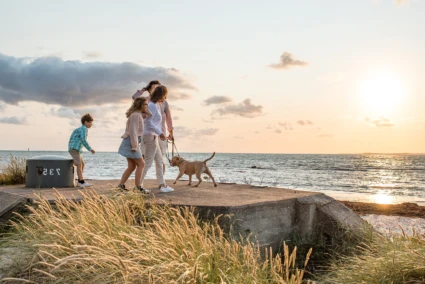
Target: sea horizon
261, 153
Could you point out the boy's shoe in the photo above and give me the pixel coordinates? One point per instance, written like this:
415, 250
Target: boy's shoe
86, 184
122, 187
142, 190
166, 189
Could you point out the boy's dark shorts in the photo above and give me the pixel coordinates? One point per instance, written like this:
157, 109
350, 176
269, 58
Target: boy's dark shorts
76, 156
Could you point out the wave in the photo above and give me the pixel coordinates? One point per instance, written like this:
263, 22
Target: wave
386, 187
339, 169
262, 168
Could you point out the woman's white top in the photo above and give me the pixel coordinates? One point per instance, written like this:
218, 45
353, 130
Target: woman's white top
153, 123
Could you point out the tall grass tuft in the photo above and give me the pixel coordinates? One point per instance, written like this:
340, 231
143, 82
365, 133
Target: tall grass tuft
394, 259
126, 240
14, 172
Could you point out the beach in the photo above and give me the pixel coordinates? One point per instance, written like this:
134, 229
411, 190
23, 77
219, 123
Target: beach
391, 218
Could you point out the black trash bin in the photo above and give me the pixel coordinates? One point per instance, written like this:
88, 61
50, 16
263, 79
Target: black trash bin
49, 171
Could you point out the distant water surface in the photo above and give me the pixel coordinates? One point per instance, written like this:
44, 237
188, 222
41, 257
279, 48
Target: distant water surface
397, 175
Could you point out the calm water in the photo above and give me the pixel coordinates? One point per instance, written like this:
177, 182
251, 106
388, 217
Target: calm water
398, 175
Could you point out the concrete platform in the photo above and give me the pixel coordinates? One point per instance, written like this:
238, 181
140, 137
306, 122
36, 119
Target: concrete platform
270, 215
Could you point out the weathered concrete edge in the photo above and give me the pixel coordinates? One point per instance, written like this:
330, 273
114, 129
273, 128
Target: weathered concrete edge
11, 203
331, 211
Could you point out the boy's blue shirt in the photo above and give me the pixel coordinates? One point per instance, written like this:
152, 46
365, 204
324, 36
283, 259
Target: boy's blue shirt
78, 139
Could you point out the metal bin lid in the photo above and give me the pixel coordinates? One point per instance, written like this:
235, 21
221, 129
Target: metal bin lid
50, 158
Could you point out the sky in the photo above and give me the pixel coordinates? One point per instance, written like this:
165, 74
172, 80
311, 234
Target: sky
243, 76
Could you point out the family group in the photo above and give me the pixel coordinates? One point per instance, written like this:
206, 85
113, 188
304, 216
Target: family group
144, 140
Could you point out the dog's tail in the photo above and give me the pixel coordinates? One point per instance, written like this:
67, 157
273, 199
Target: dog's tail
209, 158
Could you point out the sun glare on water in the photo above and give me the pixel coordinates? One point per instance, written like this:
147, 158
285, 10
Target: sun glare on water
383, 198
382, 94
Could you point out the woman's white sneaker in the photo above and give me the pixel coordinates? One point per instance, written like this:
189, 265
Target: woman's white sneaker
166, 189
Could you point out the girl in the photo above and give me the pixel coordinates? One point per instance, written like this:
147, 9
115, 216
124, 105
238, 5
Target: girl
132, 137
153, 130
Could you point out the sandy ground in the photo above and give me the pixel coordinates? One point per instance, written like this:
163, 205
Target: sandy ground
391, 225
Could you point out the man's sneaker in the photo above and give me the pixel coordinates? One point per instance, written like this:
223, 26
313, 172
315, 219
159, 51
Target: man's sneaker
142, 190
86, 184
122, 187
166, 189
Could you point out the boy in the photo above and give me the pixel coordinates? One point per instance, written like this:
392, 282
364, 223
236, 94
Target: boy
77, 140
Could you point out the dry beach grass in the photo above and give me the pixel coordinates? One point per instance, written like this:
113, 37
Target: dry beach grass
14, 172
125, 240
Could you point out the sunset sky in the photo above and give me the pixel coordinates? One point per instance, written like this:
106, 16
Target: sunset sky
277, 77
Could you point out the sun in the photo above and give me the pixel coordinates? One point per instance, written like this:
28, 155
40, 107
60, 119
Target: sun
383, 198
382, 94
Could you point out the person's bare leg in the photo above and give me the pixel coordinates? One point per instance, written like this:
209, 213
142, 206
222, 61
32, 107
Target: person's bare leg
80, 172
131, 166
140, 166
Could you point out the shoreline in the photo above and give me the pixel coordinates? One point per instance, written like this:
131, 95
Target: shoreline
376, 198
407, 209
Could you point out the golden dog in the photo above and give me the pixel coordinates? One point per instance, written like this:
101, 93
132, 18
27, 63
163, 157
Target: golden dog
190, 168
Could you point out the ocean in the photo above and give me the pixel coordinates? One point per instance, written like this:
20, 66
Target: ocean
399, 175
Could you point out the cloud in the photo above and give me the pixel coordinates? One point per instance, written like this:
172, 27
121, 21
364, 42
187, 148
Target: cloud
175, 118
92, 54
244, 109
286, 125
207, 121
276, 128
184, 132
206, 131
64, 112
106, 116
178, 96
13, 120
287, 61
217, 100
380, 122
2, 106
175, 108
52, 80
304, 122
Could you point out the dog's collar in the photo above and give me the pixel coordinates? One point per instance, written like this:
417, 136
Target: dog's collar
181, 160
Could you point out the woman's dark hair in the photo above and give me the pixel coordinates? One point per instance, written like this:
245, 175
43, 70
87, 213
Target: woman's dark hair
87, 117
149, 86
159, 92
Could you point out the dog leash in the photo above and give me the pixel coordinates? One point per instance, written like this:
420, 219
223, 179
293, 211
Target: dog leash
173, 146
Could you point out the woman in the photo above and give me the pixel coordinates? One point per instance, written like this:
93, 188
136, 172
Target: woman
132, 137
166, 117
153, 130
